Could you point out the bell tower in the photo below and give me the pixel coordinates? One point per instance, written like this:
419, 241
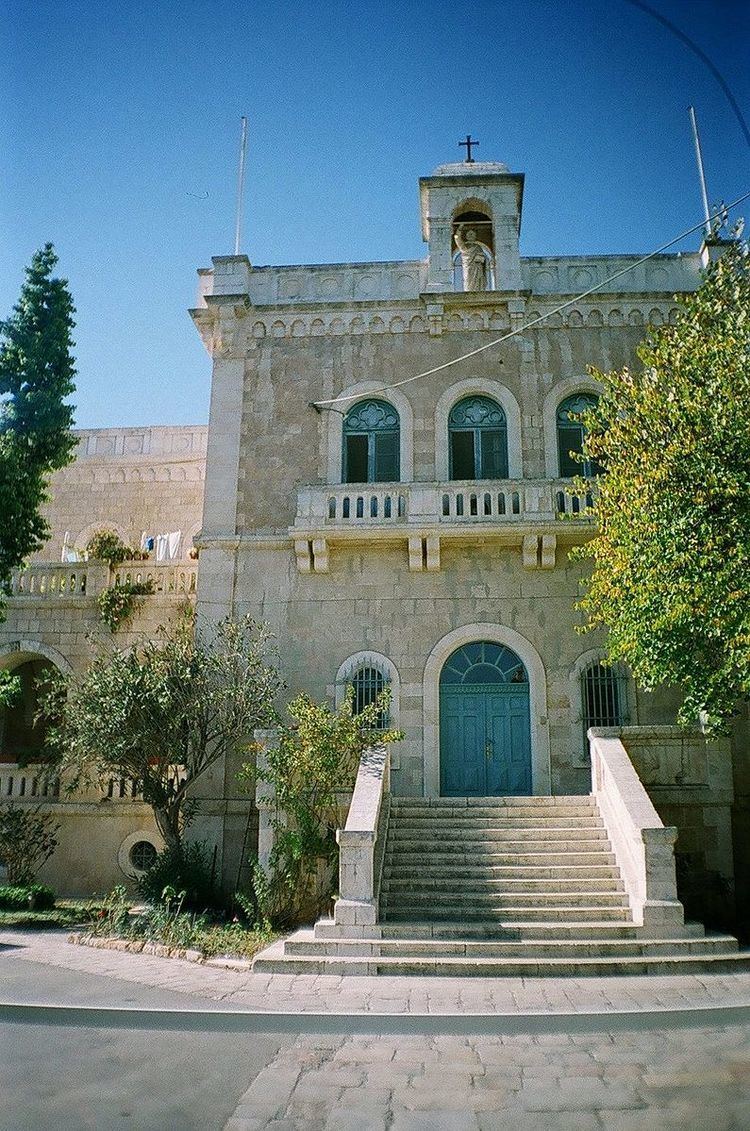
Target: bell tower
471, 218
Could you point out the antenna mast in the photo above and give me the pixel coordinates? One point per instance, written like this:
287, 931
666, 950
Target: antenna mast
701, 173
240, 187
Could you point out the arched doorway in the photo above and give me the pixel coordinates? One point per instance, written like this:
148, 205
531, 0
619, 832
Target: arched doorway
21, 732
485, 741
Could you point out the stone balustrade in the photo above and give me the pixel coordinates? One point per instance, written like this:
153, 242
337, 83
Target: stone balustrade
48, 581
378, 505
29, 785
360, 841
56, 581
167, 578
643, 847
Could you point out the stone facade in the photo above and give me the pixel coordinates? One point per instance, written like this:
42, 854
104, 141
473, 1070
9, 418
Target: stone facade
391, 576
132, 480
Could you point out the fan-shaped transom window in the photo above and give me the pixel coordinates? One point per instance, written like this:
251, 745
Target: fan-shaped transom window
483, 662
371, 443
570, 436
478, 438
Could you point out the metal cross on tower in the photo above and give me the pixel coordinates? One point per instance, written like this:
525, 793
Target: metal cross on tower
469, 143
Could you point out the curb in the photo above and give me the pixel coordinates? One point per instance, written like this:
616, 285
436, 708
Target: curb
159, 950
380, 1024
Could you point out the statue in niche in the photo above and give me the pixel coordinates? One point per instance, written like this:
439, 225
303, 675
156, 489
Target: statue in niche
473, 259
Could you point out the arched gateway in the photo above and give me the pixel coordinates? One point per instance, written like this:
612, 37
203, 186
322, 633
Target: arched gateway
485, 740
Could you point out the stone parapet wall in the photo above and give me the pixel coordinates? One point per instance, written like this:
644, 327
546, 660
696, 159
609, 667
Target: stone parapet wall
130, 480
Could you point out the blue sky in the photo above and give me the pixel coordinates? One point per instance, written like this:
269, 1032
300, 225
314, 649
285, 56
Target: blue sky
121, 131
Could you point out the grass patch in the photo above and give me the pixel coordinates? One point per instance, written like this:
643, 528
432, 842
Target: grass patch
66, 913
165, 922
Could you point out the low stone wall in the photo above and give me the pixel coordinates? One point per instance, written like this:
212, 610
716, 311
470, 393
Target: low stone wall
689, 781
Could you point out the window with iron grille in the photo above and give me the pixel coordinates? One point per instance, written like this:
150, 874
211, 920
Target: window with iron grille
368, 682
604, 695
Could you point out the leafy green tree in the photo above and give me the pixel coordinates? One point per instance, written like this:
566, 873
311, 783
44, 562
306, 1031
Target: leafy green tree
671, 559
312, 770
36, 375
162, 712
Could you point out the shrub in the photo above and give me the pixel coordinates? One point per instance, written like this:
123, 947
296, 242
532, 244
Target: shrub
106, 546
116, 604
311, 770
22, 897
28, 837
184, 869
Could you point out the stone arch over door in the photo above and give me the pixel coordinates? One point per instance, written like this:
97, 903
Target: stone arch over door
21, 734
539, 726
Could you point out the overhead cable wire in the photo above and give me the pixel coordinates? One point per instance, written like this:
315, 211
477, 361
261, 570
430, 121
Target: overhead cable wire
717, 214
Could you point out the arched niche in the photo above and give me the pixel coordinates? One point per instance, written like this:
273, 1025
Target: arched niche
473, 247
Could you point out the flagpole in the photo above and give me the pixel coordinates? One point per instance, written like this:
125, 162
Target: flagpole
701, 172
240, 187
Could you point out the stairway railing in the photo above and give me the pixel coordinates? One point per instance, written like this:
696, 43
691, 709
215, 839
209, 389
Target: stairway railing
643, 846
360, 842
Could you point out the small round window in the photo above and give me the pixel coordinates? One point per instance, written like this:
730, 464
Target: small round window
142, 855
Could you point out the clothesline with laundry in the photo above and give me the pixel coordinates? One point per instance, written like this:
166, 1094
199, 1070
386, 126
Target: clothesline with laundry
164, 547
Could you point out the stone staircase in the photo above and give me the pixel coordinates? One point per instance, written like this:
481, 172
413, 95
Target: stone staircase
500, 886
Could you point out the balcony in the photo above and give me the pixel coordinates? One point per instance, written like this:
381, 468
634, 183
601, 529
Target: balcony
531, 513
46, 582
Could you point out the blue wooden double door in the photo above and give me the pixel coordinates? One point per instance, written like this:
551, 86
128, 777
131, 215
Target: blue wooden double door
485, 748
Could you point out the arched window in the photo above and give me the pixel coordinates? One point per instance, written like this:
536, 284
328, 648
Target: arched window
371, 443
570, 436
478, 439
367, 683
604, 697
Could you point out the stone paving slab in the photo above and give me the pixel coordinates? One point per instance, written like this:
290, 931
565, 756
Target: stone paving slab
658, 1080
411, 996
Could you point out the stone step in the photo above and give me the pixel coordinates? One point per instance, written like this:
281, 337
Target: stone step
503, 929
505, 914
543, 801
471, 872
480, 859
459, 827
498, 899
305, 943
533, 840
543, 887
494, 813
275, 960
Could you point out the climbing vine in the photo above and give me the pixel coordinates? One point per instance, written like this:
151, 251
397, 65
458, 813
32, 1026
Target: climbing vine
118, 602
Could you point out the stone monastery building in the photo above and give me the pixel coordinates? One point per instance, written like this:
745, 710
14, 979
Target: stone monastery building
413, 533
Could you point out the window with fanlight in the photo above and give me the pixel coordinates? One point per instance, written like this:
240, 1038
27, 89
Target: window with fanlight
478, 439
571, 434
371, 443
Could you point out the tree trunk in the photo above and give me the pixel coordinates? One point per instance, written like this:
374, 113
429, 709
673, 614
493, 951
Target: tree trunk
168, 824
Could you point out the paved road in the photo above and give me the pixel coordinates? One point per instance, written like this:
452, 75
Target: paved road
71, 1078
